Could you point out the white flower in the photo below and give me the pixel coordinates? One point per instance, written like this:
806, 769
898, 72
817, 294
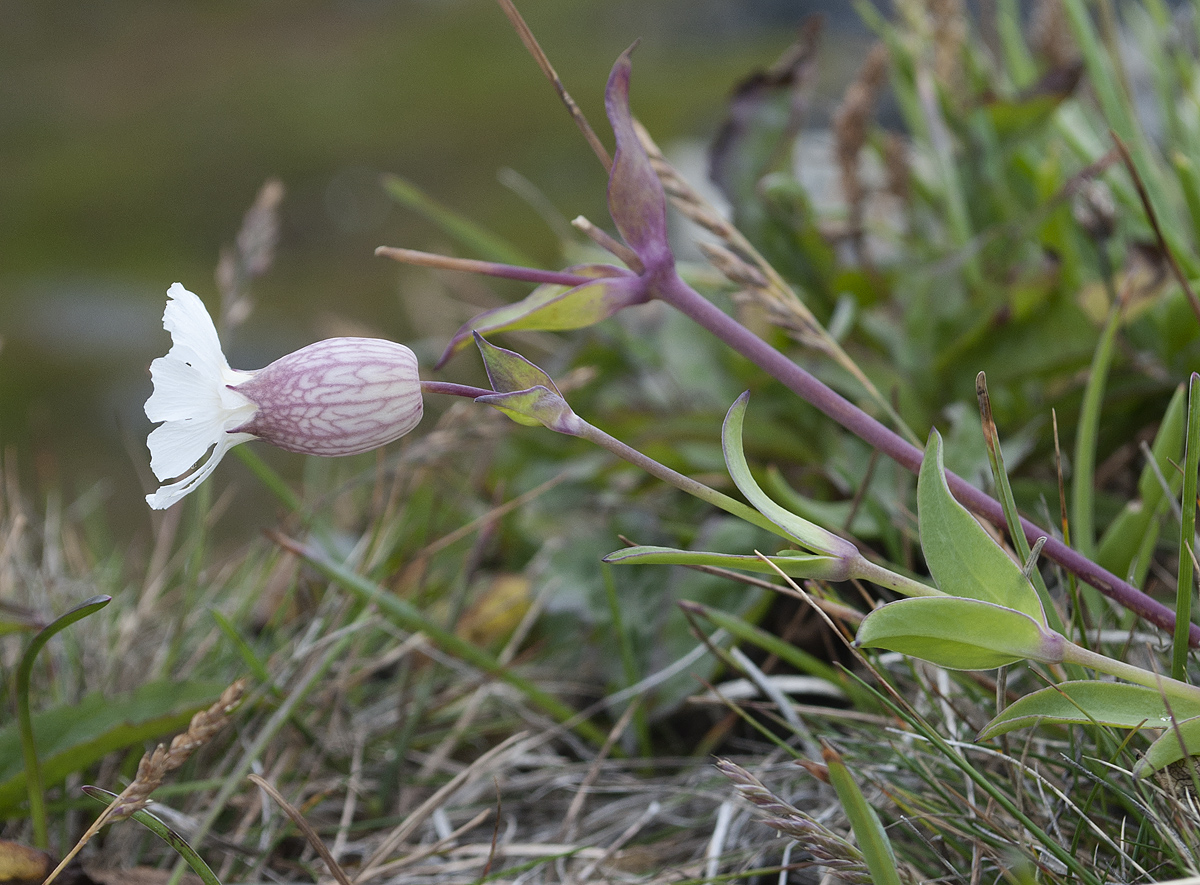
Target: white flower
341, 396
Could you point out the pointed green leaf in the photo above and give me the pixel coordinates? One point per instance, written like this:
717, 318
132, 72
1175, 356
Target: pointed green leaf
551, 308
868, 830
1167, 749
508, 371
806, 534
1108, 703
962, 558
800, 565
960, 634
164, 832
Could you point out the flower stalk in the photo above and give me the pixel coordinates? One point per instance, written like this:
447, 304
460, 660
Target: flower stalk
637, 203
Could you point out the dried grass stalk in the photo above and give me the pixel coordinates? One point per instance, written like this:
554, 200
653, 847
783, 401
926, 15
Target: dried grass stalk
155, 766
827, 847
1050, 34
850, 125
896, 165
950, 32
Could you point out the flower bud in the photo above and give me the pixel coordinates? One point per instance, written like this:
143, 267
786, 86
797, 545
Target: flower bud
341, 396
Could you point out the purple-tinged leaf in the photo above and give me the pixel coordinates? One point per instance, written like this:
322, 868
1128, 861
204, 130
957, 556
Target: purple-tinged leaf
552, 308
635, 196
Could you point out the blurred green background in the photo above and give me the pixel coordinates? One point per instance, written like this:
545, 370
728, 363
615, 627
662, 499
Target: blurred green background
134, 135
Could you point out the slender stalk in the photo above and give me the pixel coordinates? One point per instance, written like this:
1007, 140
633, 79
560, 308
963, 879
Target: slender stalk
684, 483
449, 389
674, 291
865, 570
489, 268
1077, 654
668, 287
1084, 470
1187, 533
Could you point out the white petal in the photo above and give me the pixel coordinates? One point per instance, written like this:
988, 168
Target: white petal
193, 335
180, 392
177, 445
169, 494
192, 395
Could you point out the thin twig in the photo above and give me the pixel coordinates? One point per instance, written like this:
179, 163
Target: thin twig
1152, 217
304, 826
488, 268
602, 239
539, 56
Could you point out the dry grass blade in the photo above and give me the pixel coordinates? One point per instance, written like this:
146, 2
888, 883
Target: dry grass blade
477, 769
1152, 217
572, 816
1050, 34
309, 833
850, 125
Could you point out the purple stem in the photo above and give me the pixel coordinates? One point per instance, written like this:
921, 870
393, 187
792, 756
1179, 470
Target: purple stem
454, 389
674, 291
669, 288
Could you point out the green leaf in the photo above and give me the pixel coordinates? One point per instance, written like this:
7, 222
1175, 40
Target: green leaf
799, 565
1167, 749
35, 775
73, 736
1186, 587
868, 830
802, 531
960, 634
552, 308
1085, 701
961, 556
508, 371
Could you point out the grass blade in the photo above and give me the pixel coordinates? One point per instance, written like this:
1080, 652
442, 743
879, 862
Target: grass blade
33, 770
868, 830
408, 617
1187, 533
164, 832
